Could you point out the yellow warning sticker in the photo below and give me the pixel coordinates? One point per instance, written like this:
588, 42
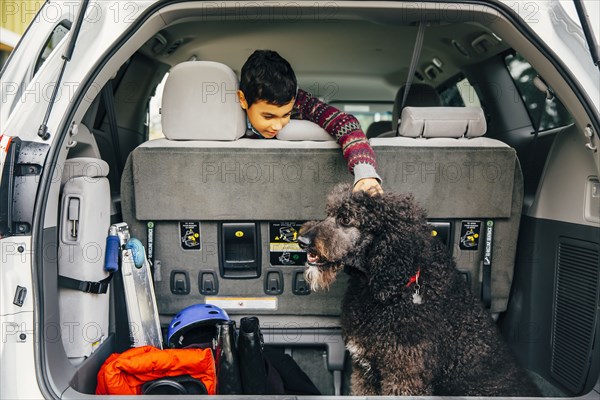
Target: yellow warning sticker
283, 243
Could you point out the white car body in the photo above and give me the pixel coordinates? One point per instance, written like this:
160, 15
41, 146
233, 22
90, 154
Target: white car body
25, 100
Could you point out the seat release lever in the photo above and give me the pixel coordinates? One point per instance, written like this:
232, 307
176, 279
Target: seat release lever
73, 217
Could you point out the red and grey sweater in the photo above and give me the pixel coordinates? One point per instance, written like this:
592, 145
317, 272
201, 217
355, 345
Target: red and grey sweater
345, 128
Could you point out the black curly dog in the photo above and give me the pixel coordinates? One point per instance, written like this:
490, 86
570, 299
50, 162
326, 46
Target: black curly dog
409, 320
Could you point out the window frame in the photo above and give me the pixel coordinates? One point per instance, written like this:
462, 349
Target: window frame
536, 120
65, 23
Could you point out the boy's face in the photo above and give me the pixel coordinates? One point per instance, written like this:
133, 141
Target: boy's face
267, 118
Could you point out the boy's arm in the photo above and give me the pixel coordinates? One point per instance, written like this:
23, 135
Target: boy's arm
345, 128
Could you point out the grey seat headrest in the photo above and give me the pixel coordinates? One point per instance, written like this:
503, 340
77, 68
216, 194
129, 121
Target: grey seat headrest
419, 95
200, 103
298, 129
448, 122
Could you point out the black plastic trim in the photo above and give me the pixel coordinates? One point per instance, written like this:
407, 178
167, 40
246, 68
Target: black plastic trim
215, 290
172, 281
239, 269
7, 187
527, 325
277, 291
299, 285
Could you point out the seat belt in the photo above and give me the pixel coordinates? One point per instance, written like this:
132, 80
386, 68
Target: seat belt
486, 280
413, 64
109, 104
548, 98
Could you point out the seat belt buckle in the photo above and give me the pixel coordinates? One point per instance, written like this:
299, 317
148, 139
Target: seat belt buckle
85, 286
93, 287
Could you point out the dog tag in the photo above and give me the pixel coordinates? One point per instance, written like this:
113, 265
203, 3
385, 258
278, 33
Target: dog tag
416, 298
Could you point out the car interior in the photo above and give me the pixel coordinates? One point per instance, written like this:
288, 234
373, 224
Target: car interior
490, 132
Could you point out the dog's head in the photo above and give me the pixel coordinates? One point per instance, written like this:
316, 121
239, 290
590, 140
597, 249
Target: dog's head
362, 233
330, 244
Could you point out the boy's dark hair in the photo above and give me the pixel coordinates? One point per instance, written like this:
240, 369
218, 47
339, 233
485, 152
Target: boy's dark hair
268, 76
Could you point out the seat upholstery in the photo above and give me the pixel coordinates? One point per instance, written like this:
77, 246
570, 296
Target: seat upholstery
456, 179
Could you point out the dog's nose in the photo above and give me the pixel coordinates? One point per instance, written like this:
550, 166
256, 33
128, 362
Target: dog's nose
303, 241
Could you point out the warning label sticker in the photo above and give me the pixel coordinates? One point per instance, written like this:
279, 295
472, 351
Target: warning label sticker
489, 234
190, 235
469, 235
283, 243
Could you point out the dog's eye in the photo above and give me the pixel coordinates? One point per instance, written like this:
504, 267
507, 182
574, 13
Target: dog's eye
344, 221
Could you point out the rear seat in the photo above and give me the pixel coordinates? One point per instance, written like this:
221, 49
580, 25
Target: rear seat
203, 175
202, 172
459, 176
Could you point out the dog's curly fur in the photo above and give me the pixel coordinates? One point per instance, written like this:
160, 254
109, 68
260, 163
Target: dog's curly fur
446, 345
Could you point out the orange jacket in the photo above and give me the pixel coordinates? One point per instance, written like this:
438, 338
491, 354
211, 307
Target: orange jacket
125, 373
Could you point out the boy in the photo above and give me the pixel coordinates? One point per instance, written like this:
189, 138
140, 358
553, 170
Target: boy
270, 96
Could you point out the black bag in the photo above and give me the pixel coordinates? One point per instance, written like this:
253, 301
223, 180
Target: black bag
293, 379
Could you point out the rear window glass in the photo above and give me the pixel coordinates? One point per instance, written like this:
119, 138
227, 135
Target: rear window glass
367, 113
58, 34
154, 121
547, 114
460, 93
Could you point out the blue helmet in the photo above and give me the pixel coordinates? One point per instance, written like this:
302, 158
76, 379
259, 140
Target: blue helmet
195, 324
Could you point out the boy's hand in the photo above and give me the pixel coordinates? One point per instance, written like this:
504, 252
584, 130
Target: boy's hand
369, 185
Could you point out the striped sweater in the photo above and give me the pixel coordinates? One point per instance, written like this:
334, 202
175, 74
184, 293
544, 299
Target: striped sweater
345, 128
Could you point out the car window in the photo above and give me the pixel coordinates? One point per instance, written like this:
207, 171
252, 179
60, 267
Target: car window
154, 122
367, 113
548, 114
459, 93
59, 32
33, 49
